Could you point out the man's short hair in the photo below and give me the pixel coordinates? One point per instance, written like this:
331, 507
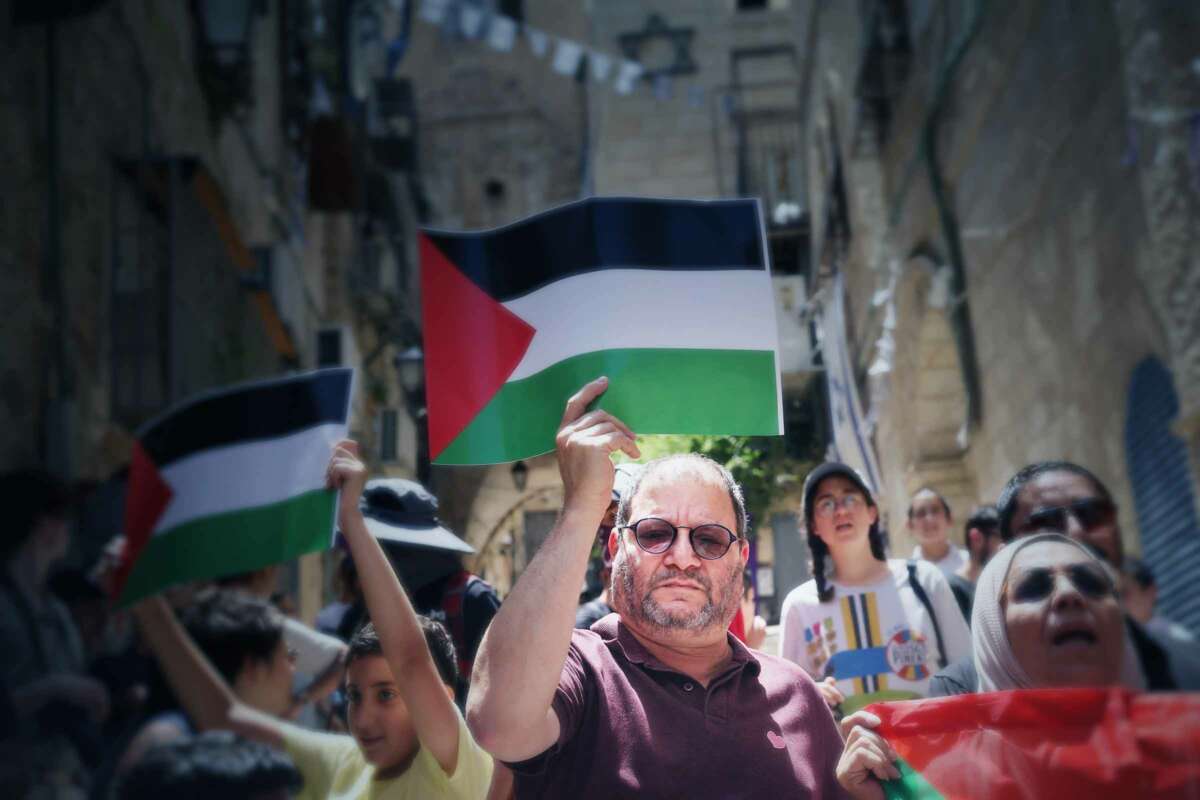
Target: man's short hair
985, 518
365, 642
230, 626
28, 496
1011, 493
736, 498
212, 764
935, 493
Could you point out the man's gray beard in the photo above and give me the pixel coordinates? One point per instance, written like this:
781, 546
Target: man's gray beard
648, 610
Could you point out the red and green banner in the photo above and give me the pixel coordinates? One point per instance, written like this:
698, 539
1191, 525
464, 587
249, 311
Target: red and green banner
1061, 744
671, 299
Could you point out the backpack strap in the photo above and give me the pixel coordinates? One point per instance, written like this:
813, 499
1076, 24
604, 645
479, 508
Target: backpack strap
452, 607
919, 591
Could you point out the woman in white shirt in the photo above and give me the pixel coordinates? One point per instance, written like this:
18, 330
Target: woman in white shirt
866, 628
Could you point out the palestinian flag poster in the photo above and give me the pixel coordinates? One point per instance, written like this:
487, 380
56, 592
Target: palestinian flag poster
1045, 743
232, 481
671, 299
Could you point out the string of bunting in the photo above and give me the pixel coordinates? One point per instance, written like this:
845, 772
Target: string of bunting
501, 34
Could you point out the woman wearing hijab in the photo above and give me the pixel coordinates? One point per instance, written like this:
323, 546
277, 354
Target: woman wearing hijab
1046, 615
866, 628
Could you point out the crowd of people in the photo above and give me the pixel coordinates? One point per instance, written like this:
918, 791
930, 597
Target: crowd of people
418, 683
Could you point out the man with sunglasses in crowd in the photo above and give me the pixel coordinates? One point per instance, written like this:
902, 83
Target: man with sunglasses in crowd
657, 699
1065, 497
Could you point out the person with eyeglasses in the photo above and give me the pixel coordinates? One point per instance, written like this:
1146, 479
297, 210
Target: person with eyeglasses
657, 699
867, 627
1068, 499
1047, 614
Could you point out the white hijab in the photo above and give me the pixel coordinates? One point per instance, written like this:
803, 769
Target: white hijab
995, 662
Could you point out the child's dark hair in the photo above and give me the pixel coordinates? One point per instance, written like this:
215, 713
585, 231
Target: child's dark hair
28, 496
212, 764
231, 626
437, 639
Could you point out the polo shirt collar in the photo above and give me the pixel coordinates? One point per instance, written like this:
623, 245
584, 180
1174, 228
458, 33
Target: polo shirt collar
618, 637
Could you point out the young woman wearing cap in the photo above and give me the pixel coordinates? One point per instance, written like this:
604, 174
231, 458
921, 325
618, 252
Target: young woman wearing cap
866, 628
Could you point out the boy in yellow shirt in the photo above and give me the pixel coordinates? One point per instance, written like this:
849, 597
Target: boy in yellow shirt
408, 738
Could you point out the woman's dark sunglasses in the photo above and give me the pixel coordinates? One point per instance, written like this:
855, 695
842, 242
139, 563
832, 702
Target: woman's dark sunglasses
1038, 583
657, 536
1092, 512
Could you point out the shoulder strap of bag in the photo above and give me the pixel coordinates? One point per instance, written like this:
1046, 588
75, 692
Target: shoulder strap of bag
919, 591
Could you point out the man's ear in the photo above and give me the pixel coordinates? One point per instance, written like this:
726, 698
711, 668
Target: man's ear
614, 541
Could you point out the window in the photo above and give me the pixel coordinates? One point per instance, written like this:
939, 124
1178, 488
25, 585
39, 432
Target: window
882, 71
329, 348
389, 423
139, 307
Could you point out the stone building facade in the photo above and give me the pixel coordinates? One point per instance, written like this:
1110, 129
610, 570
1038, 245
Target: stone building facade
156, 240
1007, 190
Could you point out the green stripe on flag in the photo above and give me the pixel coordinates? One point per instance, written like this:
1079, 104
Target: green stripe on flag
652, 390
910, 785
232, 542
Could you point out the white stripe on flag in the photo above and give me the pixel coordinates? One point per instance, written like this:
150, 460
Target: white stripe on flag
248, 474
601, 65
640, 308
470, 18
503, 33
627, 76
567, 56
434, 11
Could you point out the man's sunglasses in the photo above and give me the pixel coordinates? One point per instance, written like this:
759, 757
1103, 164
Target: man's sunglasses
657, 536
1091, 512
1038, 583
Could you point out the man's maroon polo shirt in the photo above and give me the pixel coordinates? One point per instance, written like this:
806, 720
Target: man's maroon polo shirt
633, 727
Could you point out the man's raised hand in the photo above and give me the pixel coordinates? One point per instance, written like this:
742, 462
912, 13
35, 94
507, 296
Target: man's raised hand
585, 441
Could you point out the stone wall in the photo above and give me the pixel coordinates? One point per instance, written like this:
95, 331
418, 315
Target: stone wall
1036, 153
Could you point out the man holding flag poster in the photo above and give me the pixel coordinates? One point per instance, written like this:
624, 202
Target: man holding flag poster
658, 699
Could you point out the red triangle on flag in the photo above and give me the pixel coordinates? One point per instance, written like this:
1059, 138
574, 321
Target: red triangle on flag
146, 497
472, 344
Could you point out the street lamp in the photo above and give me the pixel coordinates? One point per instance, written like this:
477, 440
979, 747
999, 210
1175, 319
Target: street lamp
520, 475
411, 366
225, 28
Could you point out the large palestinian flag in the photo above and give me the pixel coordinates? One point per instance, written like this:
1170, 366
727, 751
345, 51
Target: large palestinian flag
1045, 743
670, 299
232, 481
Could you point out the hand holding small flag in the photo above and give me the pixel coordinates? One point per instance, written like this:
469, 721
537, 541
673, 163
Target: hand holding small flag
866, 756
348, 473
585, 441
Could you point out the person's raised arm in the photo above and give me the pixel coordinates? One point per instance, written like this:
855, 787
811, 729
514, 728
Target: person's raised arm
206, 698
417, 680
521, 657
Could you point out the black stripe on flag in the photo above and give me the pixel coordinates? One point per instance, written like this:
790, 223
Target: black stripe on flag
250, 412
607, 233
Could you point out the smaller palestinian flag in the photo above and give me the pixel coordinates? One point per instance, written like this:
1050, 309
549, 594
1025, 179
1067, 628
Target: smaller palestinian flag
1045, 743
671, 299
232, 481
